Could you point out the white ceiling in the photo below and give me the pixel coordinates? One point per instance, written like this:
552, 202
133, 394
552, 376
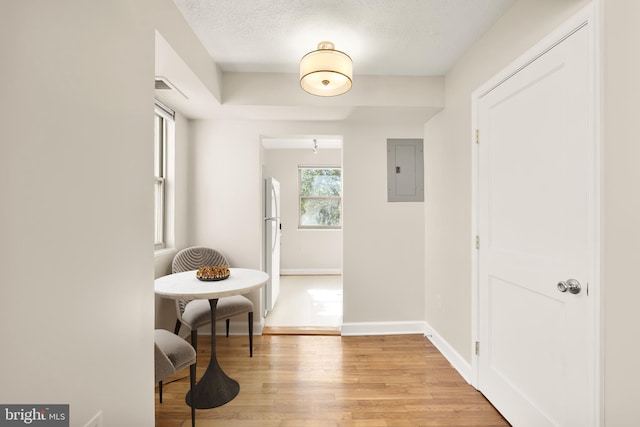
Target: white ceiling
383, 37
387, 39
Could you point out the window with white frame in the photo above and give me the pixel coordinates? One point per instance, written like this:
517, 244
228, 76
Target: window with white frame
320, 197
163, 124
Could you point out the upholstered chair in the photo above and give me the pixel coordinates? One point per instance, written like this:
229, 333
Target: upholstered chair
196, 313
172, 354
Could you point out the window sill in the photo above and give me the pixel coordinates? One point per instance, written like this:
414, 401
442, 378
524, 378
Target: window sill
319, 229
164, 251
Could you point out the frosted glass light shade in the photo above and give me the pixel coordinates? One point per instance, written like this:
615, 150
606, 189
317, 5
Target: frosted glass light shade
326, 71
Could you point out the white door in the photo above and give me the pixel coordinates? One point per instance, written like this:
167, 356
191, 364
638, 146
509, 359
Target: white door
536, 206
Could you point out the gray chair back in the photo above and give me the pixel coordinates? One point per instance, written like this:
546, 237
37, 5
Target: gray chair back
196, 257
192, 259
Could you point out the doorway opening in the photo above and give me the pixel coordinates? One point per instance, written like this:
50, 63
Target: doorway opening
307, 305
309, 299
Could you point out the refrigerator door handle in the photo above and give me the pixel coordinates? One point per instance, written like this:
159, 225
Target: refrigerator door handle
275, 200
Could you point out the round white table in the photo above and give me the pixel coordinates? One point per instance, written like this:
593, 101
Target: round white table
215, 388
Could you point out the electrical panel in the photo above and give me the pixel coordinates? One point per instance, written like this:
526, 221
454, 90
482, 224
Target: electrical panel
405, 170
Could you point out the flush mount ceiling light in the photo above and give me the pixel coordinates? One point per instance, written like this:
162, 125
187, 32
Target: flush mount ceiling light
326, 71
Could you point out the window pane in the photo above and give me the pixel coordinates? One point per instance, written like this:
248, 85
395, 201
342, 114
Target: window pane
320, 212
158, 146
163, 126
159, 211
320, 182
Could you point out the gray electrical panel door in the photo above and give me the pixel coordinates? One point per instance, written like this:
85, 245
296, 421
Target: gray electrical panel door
405, 170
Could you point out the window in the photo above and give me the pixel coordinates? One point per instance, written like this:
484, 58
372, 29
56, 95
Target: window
320, 197
163, 124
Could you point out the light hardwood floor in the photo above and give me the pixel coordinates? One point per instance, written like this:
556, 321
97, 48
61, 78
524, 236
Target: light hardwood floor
305, 381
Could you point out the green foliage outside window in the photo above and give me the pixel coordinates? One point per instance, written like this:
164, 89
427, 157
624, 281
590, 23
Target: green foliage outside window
320, 197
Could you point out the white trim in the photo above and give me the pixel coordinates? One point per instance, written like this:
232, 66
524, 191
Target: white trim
475, 231
164, 252
590, 15
453, 357
596, 19
164, 111
383, 328
311, 272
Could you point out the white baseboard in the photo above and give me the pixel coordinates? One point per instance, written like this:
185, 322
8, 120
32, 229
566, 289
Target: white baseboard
310, 271
382, 328
454, 358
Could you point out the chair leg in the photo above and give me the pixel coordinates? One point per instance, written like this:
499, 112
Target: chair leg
228, 321
192, 383
177, 329
250, 334
194, 339
160, 390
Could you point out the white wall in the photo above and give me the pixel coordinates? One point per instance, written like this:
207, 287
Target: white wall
383, 265
303, 251
225, 191
76, 216
448, 164
621, 212
382, 242
77, 239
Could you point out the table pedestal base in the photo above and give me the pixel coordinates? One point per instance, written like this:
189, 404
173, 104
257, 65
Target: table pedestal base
215, 388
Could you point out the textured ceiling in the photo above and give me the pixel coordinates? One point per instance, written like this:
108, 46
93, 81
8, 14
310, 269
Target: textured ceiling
383, 37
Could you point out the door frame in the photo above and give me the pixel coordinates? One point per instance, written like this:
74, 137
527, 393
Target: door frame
591, 17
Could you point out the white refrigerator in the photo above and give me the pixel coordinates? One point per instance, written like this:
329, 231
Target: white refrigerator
272, 229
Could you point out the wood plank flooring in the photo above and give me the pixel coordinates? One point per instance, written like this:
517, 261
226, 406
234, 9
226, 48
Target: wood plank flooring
331, 381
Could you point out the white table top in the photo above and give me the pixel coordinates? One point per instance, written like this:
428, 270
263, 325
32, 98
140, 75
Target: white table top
185, 285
